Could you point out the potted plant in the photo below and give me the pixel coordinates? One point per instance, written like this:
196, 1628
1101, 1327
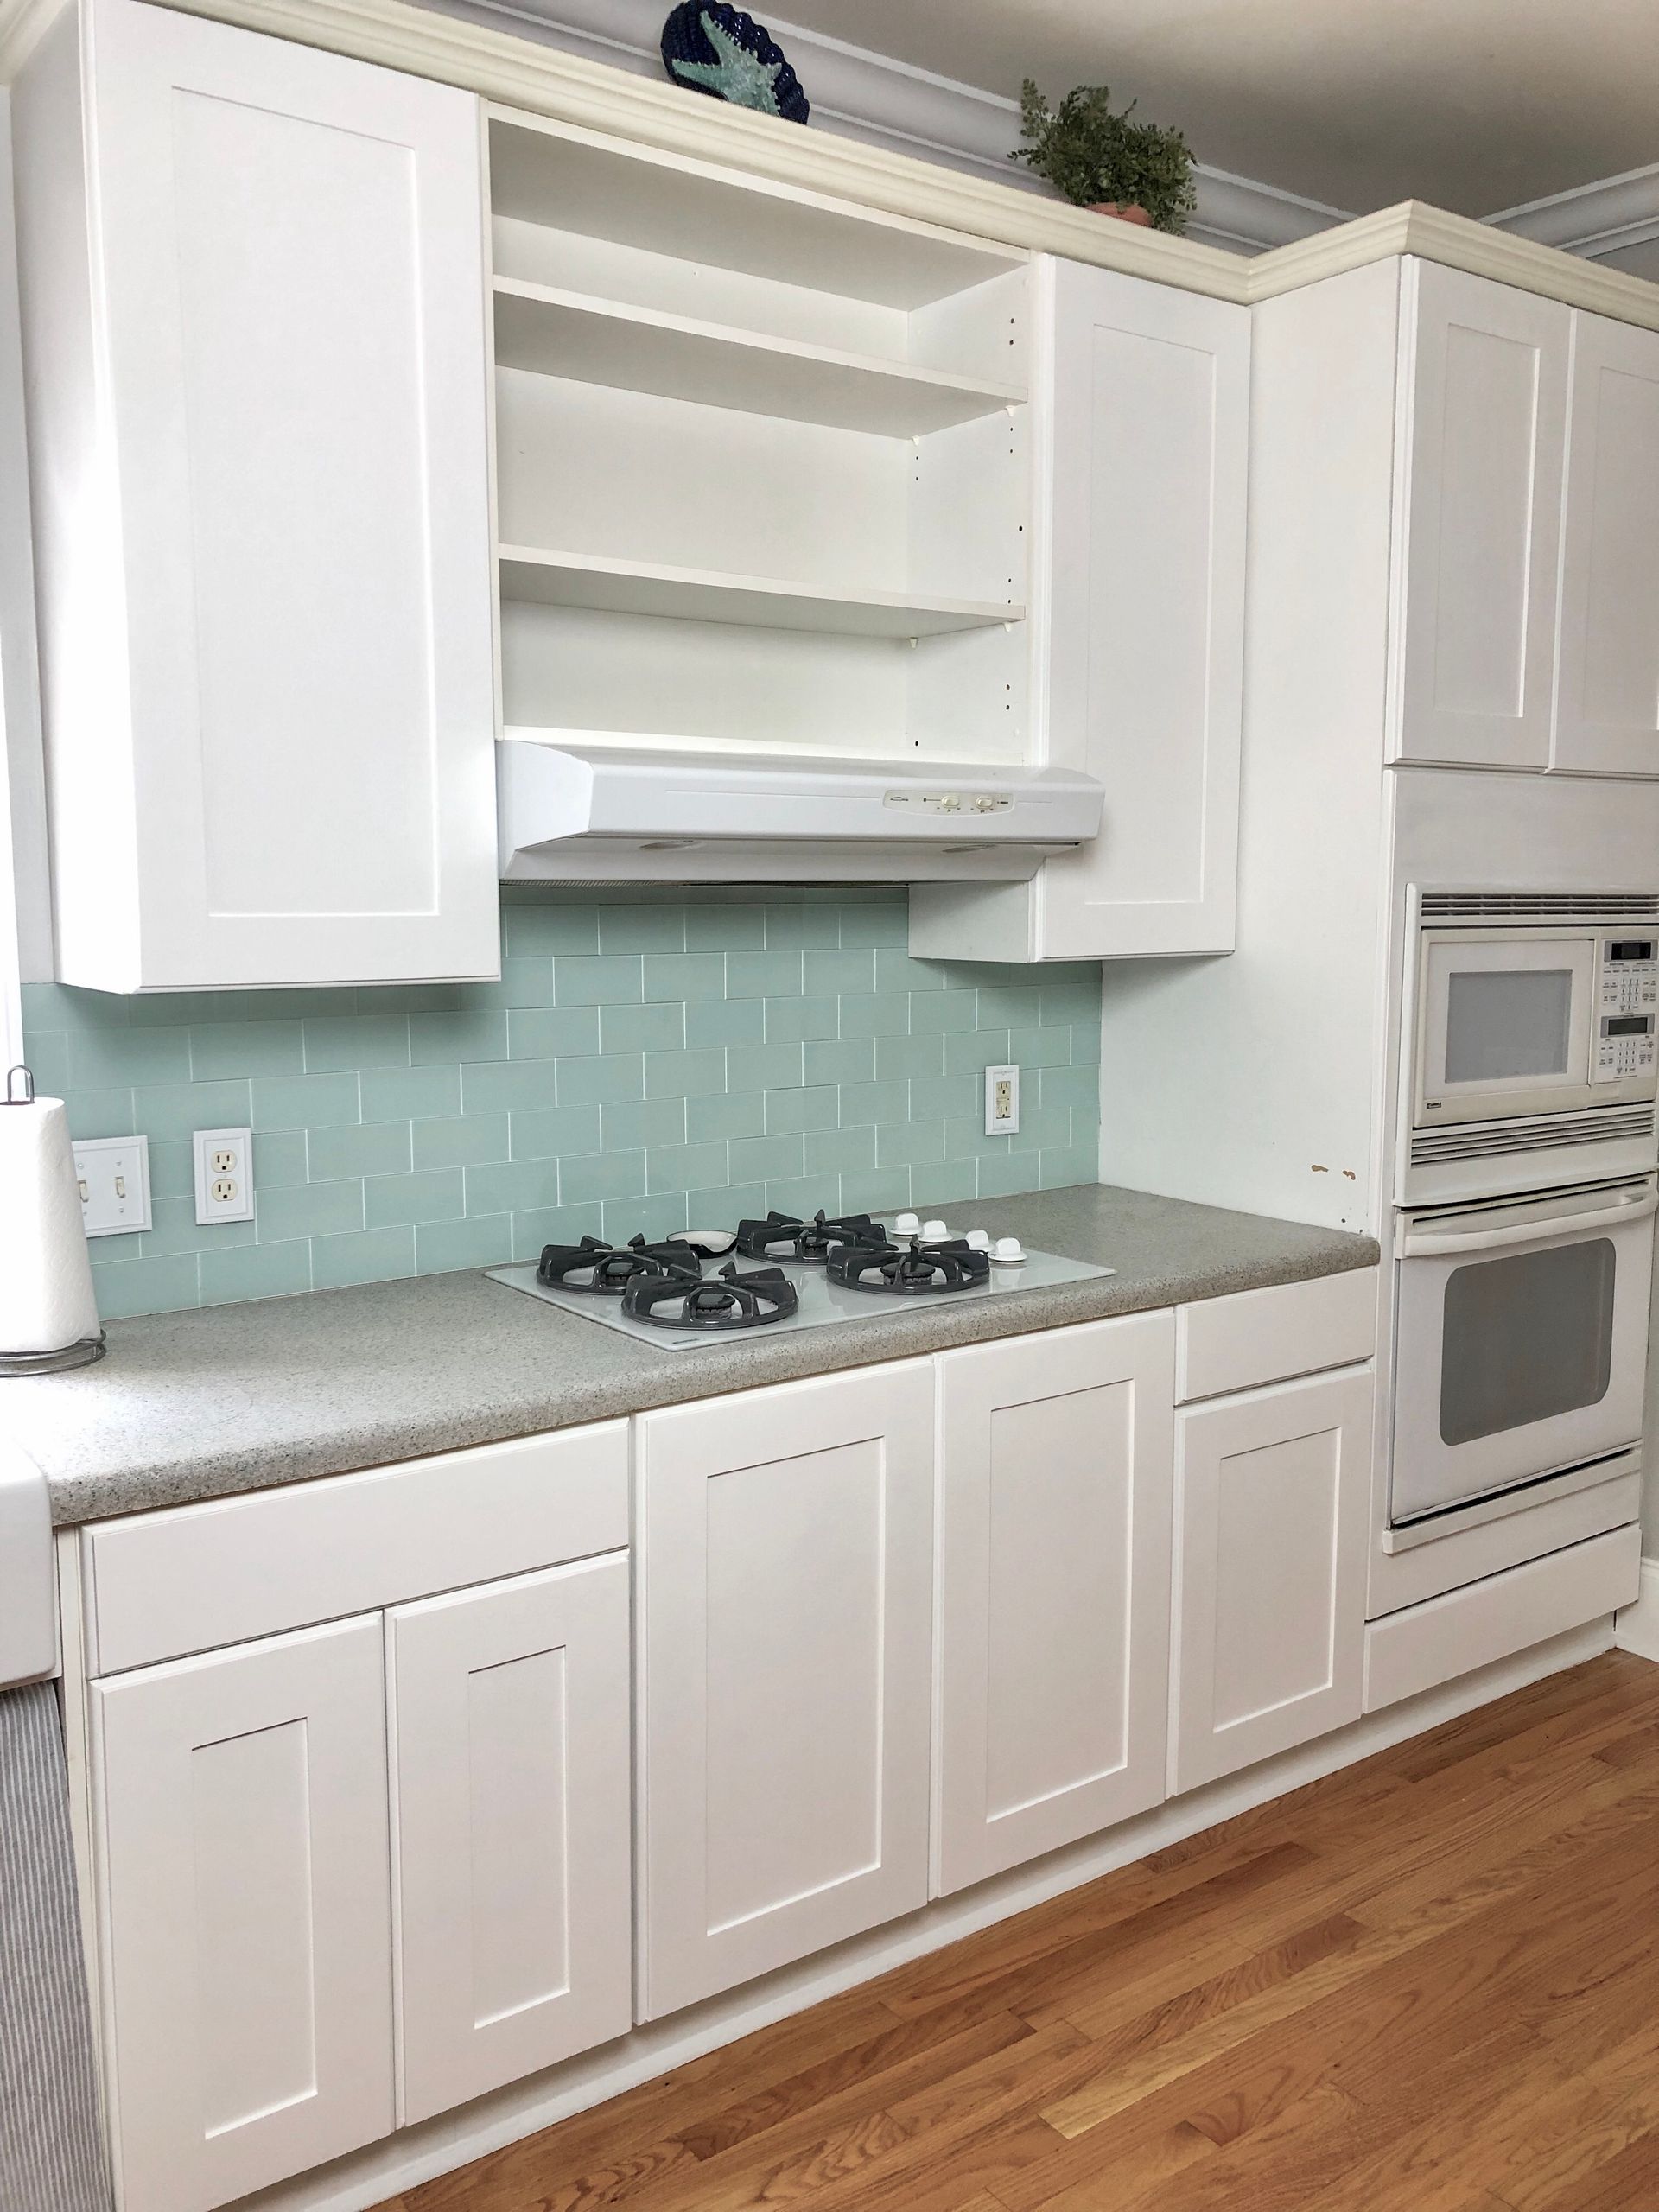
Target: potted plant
1098, 158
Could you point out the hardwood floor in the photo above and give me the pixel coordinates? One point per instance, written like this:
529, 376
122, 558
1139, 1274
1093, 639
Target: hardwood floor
1428, 1984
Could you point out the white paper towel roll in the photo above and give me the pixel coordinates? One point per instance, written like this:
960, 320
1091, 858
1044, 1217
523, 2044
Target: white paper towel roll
45, 1279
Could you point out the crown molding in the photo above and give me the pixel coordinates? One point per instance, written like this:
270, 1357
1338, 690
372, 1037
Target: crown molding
866, 96
22, 22
1593, 220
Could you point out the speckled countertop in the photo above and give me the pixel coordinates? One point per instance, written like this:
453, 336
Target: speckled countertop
201, 1404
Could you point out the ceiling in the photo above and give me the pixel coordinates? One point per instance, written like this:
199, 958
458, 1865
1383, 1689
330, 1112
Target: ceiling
1473, 104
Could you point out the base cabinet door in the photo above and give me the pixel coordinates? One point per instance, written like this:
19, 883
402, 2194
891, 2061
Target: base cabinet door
1483, 374
1053, 1620
783, 1547
242, 1837
1607, 700
1271, 1528
512, 1823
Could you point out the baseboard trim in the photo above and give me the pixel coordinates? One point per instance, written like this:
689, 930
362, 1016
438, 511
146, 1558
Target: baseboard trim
419, 2154
1636, 1627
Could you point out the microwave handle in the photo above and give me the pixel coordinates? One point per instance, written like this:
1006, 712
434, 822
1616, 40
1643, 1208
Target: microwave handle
1427, 1243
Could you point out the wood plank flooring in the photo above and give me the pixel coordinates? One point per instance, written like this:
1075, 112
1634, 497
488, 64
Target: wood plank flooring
1428, 1984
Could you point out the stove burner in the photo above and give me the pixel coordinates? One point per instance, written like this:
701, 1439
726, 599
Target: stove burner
916, 1267
727, 1300
780, 1235
608, 1267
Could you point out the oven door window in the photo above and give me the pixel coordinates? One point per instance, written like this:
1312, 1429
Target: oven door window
1526, 1335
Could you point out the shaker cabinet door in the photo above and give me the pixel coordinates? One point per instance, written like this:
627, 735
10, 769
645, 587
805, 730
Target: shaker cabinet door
288, 322
784, 1550
1484, 385
1144, 437
1607, 700
511, 1846
1272, 1538
1053, 1624
242, 1812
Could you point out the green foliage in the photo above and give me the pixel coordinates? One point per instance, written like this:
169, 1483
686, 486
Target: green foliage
1092, 153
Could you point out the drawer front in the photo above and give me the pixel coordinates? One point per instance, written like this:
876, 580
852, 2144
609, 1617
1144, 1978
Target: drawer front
1267, 1336
195, 1577
1446, 1637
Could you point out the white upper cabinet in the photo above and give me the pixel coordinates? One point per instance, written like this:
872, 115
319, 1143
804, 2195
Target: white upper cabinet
254, 308
1607, 697
784, 1554
1054, 1566
1480, 446
1141, 437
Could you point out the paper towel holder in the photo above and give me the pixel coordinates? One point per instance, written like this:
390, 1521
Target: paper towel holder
76, 1355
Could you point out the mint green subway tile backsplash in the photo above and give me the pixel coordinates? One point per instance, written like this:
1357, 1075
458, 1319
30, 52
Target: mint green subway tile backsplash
655, 1062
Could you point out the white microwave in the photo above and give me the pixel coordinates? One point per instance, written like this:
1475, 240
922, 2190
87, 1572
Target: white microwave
1535, 1041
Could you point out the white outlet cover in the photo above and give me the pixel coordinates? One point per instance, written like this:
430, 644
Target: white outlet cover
224, 1164
114, 1174
1001, 1124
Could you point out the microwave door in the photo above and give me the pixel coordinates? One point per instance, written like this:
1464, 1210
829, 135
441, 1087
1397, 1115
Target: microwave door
1506, 1025
1522, 1343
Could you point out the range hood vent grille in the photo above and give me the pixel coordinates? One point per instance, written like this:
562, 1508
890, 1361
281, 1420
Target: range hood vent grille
1541, 907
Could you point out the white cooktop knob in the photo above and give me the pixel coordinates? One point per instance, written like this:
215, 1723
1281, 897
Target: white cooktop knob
933, 1232
1007, 1249
905, 1224
980, 1240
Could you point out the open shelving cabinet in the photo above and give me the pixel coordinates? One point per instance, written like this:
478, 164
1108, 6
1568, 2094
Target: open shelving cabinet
762, 474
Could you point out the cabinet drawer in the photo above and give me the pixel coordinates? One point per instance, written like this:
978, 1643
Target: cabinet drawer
1267, 1336
1447, 1636
198, 1576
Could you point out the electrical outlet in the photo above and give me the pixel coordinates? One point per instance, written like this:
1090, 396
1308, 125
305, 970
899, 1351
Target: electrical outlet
224, 1175
1002, 1102
114, 1177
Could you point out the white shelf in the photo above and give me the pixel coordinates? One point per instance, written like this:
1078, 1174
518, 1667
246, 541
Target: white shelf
564, 334
572, 180
554, 579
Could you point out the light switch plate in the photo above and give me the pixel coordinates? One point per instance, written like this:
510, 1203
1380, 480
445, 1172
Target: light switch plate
224, 1175
114, 1174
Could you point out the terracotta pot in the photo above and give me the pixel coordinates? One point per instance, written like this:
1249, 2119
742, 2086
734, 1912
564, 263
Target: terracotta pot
1123, 214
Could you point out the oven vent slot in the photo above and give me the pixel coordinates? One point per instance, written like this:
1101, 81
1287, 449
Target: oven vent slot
1487, 1141
1540, 906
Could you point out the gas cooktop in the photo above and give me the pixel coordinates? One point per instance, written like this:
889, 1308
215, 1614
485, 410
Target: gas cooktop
780, 1273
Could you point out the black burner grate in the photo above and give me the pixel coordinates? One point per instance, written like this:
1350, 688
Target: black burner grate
910, 1269
783, 1237
727, 1300
594, 1268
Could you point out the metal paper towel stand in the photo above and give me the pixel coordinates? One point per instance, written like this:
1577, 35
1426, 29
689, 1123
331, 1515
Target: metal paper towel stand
76, 1355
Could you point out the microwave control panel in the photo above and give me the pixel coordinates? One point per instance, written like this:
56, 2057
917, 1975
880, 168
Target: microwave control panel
1627, 1009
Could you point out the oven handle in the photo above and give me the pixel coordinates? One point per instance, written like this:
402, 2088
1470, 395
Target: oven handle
1426, 1243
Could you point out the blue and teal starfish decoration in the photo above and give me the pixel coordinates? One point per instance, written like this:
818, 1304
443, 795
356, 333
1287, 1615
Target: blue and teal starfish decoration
715, 49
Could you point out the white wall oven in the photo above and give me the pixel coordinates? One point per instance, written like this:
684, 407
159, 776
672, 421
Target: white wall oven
1532, 1057
1521, 1351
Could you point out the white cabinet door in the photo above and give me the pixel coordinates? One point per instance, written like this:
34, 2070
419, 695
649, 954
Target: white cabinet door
1054, 1622
1271, 1526
1484, 401
291, 771
783, 1546
1141, 543
242, 1830
511, 1828
1607, 700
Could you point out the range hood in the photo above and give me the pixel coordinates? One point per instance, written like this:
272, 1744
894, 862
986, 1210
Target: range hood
599, 815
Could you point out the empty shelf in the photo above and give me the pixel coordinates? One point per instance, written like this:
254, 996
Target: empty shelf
598, 341
705, 595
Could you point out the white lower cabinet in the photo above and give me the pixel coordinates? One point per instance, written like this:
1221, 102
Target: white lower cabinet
511, 1789
784, 1543
1272, 1536
249, 1928
1053, 1589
